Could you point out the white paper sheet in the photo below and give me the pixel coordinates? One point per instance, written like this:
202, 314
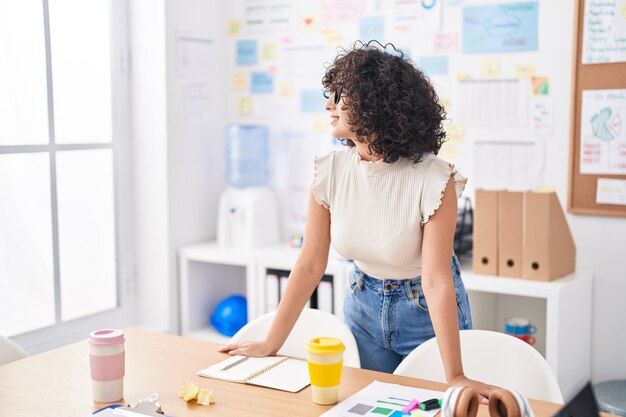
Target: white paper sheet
493, 103
604, 32
383, 395
603, 132
511, 165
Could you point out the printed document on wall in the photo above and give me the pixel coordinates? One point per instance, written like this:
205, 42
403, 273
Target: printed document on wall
602, 132
604, 32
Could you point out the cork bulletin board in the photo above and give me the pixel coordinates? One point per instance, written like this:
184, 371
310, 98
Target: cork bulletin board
597, 181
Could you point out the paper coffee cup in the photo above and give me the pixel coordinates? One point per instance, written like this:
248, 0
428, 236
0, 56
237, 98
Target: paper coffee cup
325, 365
107, 360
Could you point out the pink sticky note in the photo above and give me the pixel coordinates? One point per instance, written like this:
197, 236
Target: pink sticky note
411, 406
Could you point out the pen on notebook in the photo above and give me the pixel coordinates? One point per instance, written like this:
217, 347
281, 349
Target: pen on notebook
234, 364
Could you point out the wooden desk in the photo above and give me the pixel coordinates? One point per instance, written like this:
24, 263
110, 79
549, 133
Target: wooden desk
57, 383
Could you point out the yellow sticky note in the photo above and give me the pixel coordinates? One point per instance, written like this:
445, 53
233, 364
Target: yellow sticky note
244, 106
268, 50
240, 81
541, 86
234, 28
462, 76
320, 124
286, 89
446, 102
622, 10
332, 36
524, 71
490, 68
455, 132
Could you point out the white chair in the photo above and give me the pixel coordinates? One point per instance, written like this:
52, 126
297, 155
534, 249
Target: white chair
491, 357
311, 323
10, 351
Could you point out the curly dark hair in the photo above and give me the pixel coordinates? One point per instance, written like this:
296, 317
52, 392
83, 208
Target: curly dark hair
387, 99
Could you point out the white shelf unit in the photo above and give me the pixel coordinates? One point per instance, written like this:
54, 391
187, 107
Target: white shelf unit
561, 309
208, 273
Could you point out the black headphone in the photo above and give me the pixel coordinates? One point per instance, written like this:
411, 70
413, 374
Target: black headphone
463, 402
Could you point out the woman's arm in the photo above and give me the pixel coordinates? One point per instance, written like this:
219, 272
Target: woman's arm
303, 279
439, 289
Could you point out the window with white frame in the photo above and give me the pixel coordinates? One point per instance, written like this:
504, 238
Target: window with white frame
62, 170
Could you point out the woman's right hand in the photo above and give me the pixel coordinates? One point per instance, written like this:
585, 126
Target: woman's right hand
263, 348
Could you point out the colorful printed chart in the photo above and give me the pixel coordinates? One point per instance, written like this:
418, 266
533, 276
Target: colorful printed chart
380, 399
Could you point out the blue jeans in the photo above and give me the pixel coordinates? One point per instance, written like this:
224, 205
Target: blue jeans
389, 318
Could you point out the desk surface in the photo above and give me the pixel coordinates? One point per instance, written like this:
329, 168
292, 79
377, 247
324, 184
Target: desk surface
57, 383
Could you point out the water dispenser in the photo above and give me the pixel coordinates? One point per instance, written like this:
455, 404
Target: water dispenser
248, 212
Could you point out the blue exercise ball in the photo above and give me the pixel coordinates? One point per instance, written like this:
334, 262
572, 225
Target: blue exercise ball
230, 315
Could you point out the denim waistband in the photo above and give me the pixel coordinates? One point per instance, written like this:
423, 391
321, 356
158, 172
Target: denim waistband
397, 286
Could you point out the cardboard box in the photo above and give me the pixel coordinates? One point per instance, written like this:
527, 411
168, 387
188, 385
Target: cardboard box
548, 250
510, 227
485, 234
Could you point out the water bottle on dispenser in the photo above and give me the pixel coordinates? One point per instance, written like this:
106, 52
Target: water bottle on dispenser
248, 213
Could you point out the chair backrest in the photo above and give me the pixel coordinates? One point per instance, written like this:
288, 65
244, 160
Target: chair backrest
10, 351
491, 357
311, 323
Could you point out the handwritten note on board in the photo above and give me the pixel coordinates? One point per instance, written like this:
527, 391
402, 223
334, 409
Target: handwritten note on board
611, 191
510, 27
604, 32
602, 132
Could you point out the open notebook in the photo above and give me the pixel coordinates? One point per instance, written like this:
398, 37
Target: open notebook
278, 372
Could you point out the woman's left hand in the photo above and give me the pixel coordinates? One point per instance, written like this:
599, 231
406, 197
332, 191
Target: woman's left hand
483, 390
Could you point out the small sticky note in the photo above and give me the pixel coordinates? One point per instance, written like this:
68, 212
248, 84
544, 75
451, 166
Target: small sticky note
446, 102
234, 28
312, 101
398, 413
246, 52
333, 37
541, 86
524, 71
244, 106
268, 50
286, 89
434, 65
455, 132
320, 124
490, 68
463, 76
445, 43
372, 28
611, 191
309, 22
261, 82
240, 81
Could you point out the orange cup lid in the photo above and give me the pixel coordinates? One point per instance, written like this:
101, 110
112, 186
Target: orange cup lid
325, 345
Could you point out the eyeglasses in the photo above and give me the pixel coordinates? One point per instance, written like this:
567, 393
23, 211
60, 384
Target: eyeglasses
336, 95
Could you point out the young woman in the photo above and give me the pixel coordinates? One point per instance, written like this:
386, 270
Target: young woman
390, 204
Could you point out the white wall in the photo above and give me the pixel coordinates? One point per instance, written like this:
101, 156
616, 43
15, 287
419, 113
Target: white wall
195, 149
178, 163
149, 140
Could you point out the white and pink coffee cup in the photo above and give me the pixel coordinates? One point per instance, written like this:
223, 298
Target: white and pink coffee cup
106, 355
